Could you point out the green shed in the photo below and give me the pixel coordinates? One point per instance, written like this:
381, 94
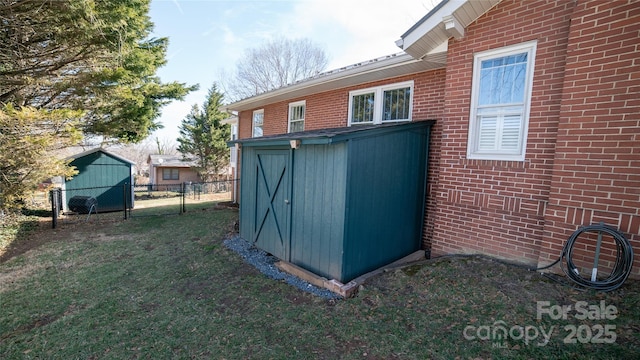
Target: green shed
337, 202
101, 175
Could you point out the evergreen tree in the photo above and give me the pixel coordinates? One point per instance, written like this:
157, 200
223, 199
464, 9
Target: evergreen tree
203, 136
27, 138
69, 68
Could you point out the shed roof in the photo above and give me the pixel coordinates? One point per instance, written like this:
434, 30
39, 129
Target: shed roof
91, 151
330, 136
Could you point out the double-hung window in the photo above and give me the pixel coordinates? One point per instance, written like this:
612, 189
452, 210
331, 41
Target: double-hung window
500, 101
258, 121
296, 116
381, 104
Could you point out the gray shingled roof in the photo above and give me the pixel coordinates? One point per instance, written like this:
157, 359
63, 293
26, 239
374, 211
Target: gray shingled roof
158, 160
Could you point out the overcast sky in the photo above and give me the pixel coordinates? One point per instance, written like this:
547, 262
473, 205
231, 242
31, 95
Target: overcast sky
207, 37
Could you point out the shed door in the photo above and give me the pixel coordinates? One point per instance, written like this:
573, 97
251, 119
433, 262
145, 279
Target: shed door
271, 220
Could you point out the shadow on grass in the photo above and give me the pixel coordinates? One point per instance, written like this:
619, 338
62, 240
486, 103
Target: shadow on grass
17, 231
14, 233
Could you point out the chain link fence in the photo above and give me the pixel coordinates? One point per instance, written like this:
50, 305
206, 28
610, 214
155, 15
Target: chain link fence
126, 200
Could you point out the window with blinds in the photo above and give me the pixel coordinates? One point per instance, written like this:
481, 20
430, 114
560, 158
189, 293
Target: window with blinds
501, 96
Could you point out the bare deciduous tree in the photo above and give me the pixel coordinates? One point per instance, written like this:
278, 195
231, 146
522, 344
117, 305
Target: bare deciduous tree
274, 65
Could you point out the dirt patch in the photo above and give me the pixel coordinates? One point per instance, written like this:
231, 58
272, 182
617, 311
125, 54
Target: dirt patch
299, 299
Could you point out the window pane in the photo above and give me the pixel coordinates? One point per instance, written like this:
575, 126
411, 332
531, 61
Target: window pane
518, 83
258, 120
170, 174
396, 104
296, 118
502, 80
362, 108
296, 112
297, 126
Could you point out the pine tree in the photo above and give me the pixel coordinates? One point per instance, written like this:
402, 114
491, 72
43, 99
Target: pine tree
203, 136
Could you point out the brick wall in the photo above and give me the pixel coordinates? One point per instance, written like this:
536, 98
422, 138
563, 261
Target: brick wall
596, 174
497, 207
330, 109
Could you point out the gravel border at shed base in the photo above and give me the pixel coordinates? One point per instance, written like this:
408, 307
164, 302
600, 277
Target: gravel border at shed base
266, 264
304, 279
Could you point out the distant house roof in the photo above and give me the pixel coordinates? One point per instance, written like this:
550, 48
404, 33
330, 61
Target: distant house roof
158, 160
88, 152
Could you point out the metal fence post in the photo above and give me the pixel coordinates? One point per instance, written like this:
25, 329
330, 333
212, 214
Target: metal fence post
184, 194
124, 199
54, 207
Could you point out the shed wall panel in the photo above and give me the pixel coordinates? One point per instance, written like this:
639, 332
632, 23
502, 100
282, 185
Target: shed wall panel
319, 208
386, 187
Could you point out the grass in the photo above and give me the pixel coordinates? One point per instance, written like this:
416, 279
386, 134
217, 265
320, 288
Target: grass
166, 287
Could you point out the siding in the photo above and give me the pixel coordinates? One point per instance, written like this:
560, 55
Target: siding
317, 235
386, 184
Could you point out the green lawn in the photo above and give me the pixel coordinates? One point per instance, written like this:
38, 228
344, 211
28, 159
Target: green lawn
166, 287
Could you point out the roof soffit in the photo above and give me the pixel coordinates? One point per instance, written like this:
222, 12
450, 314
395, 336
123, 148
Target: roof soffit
435, 28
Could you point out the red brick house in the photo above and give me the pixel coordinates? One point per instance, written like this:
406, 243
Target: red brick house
537, 109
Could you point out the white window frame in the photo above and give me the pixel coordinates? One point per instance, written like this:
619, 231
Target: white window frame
292, 105
233, 156
253, 123
378, 102
473, 151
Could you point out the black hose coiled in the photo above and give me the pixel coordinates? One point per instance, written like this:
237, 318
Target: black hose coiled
621, 269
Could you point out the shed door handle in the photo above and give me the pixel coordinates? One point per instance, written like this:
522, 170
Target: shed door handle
286, 201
